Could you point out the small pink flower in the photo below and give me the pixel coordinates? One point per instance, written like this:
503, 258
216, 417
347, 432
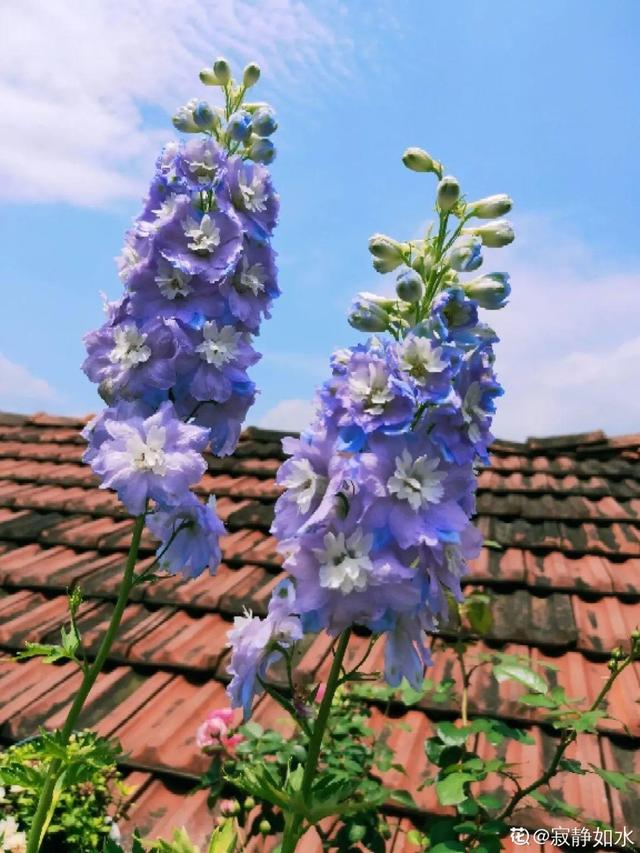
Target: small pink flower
214, 733
322, 689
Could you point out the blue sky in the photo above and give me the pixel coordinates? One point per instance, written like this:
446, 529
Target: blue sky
539, 100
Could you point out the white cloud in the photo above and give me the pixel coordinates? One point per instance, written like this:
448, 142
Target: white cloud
569, 351
77, 81
20, 391
294, 415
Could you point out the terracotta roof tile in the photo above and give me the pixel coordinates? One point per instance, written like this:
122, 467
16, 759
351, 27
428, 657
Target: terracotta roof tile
563, 571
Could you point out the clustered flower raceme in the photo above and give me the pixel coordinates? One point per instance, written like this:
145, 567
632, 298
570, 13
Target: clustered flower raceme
171, 360
375, 518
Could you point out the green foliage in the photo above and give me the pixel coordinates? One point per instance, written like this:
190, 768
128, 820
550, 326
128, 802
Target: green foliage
70, 646
88, 785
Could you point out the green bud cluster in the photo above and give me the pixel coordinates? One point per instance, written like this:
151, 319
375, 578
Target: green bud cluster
429, 265
241, 127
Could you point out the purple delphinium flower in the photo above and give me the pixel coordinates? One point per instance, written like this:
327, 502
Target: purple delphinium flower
157, 457
253, 285
252, 197
161, 289
198, 243
188, 535
217, 359
128, 358
254, 643
201, 163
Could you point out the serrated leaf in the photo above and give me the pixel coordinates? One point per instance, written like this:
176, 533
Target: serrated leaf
497, 731
620, 781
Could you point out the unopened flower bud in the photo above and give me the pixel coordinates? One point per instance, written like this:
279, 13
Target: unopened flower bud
409, 286
264, 827
418, 160
249, 803
367, 315
222, 71
262, 151
494, 234
183, 121
239, 126
208, 77
251, 75
203, 115
465, 255
229, 808
384, 265
384, 247
489, 207
489, 291
448, 193
264, 121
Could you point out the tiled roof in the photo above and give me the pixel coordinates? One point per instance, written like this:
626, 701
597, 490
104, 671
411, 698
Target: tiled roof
563, 517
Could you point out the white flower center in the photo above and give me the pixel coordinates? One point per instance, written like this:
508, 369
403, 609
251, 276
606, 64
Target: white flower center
371, 388
345, 565
149, 455
173, 283
417, 481
253, 194
218, 346
419, 357
204, 170
252, 278
130, 348
204, 236
304, 483
162, 214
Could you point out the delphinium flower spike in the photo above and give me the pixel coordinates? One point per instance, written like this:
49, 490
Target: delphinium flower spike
374, 522
172, 358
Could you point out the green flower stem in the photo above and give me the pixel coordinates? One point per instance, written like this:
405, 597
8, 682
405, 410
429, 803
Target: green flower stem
41, 817
566, 739
293, 823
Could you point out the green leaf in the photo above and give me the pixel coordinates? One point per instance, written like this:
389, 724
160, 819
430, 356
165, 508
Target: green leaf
48, 652
496, 731
489, 801
536, 700
404, 798
477, 608
448, 847
571, 766
493, 545
620, 781
224, 839
451, 789
253, 729
452, 735
515, 671
587, 721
